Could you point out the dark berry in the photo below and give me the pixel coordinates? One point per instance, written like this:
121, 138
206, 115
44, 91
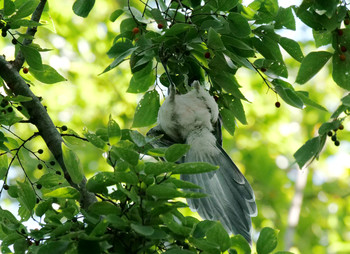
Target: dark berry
263, 69
19, 108
6, 187
340, 32
346, 22
342, 57
135, 30
207, 55
14, 41
40, 166
341, 127
4, 103
330, 134
23, 231
58, 172
25, 70
277, 104
3, 33
39, 186
160, 26
37, 200
343, 49
74, 219
336, 143
9, 109
52, 163
40, 151
64, 128
334, 137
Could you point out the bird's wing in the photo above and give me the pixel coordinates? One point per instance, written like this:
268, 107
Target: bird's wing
230, 197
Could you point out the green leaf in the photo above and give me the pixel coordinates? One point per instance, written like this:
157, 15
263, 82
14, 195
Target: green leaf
47, 74
285, 18
138, 138
50, 180
32, 57
292, 48
311, 64
326, 127
226, 5
142, 80
194, 168
142, 230
104, 208
126, 154
176, 151
82, 8
99, 183
183, 184
42, 207
146, 112
346, 100
95, 140
163, 191
72, 164
119, 48
235, 105
341, 70
228, 82
3, 166
157, 168
307, 101
158, 17
308, 151
116, 14
177, 29
126, 177
214, 41
64, 192
342, 108
289, 96
228, 120
217, 234
239, 25
25, 9
54, 247
114, 133
119, 59
267, 241
322, 38
240, 244
9, 7
26, 195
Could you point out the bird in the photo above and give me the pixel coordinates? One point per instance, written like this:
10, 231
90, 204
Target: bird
193, 118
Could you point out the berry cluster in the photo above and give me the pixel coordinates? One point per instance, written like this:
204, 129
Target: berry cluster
342, 48
333, 135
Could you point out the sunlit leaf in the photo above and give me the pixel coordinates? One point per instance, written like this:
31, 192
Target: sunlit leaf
47, 75
311, 64
32, 57
72, 164
147, 110
64, 192
82, 8
267, 241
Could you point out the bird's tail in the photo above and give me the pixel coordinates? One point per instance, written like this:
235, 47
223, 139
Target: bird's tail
230, 197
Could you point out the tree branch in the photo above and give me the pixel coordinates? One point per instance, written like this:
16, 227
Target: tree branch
18, 62
38, 114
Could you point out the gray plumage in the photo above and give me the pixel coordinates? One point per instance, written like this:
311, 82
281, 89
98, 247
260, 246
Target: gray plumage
193, 118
